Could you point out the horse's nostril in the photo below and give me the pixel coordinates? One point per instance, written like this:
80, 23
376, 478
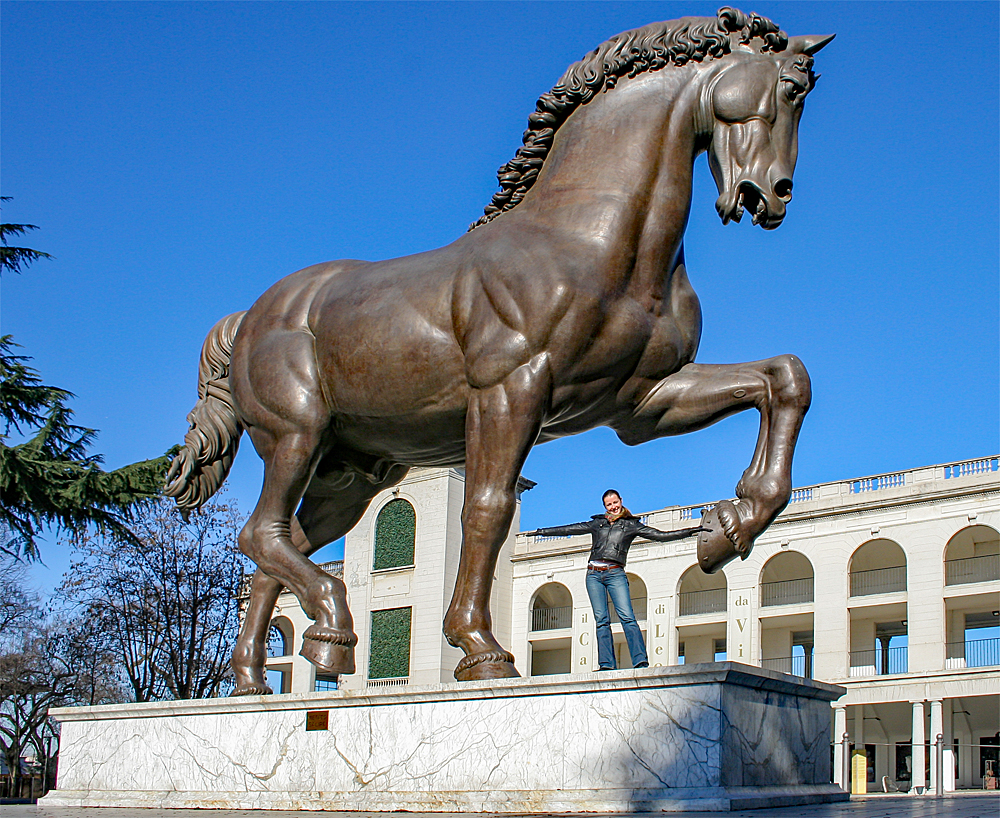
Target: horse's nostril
783, 189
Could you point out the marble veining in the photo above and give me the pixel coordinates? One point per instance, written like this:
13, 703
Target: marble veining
537, 746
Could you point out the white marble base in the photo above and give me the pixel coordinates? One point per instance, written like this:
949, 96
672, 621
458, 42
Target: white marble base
704, 737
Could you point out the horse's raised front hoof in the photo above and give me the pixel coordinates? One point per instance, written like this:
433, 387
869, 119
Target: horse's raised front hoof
251, 689
332, 651
724, 541
494, 664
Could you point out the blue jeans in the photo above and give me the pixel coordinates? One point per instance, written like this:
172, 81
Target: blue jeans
614, 583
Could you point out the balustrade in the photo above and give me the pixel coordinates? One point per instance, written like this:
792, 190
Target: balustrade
972, 569
702, 602
334, 568
882, 481
693, 512
786, 592
795, 665
547, 619
973, 653
878, 581
879, 662
983, 466
397, 681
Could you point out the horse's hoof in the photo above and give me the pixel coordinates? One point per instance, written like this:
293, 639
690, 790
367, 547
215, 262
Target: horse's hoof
332, 651
724, 542
494, 664
251, 689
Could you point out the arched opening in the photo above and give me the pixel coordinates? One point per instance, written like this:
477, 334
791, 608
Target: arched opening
972, 619
552, 608
701, 593
701, 606
878, 567
279, 637
786, 634
395, 535
786, 579
280, 644
972, 555
879, 637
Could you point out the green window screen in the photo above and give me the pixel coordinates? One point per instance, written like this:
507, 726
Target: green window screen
395, 535
390, 653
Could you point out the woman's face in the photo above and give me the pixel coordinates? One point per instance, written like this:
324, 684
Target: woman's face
613, 503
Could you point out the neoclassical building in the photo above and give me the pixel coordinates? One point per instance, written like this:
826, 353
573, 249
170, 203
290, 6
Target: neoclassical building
888, 585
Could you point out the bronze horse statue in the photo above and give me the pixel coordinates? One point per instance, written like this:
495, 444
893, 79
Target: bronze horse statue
567, 306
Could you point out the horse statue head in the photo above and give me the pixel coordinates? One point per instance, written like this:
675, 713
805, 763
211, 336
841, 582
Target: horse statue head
751, 110
751, 79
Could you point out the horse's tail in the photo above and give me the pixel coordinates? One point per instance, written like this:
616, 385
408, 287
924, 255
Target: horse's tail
213, 438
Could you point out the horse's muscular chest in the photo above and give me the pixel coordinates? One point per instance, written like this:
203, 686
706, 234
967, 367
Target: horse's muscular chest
588, 339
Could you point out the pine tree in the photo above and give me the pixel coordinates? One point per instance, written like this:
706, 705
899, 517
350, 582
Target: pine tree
50, 479
12, 258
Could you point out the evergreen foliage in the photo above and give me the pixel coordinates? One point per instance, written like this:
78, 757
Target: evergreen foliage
395, 535
13, 258
390, 646
50, 479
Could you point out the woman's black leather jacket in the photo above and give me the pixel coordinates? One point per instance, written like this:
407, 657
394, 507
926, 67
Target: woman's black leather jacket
612, 540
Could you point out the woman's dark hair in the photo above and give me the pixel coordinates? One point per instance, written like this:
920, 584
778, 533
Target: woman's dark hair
609, 492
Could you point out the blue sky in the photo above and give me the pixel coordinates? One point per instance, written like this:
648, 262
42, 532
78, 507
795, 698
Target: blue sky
181, 157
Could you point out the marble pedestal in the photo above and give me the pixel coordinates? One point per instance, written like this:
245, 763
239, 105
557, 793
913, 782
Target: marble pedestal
702, 737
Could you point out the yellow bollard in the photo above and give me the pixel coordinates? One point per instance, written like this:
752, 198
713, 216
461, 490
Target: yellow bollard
859, 772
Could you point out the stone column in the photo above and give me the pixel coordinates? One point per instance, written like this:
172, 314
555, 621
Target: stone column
937, 728
673, 641
949, 747
739, 640
968, 765
584, 651
839, 728
832, 621
658, 632
918, 773
303, 674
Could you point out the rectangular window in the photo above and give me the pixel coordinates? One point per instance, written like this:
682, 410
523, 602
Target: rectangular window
390, 644
278, 680
325, 683
719, 649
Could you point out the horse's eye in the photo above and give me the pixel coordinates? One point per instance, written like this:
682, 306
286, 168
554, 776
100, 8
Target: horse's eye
792, 89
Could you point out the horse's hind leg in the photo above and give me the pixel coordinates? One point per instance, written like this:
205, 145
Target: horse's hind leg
289, 460
697, 396
288, 421
325, 515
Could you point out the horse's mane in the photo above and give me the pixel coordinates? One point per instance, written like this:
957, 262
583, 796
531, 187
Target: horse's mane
628, 54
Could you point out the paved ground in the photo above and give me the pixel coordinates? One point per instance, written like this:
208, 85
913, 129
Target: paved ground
959, 805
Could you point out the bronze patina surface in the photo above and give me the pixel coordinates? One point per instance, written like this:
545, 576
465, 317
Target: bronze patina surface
566, 307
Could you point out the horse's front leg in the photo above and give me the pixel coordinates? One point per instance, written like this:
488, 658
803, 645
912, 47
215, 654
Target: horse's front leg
697, 396
501, 426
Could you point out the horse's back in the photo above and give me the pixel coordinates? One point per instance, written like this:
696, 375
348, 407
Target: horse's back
384, 337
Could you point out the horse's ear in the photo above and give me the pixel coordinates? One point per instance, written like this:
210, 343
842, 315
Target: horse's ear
808, 45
